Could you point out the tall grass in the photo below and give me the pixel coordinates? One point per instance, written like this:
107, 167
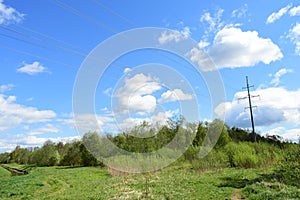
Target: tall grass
242, 155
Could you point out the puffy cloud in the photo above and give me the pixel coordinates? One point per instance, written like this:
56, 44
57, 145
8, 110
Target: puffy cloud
13, 114
277, 75
175, 95
177, 36
286, 134
277, 15
32, 69
4, 88
233, 48
9, 15
135, 96
294, 35
295, 11
275, 106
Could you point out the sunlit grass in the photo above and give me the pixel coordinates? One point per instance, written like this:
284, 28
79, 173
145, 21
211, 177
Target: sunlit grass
179, 181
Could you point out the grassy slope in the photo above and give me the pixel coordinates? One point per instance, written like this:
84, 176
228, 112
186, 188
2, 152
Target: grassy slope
4, 173
176, 182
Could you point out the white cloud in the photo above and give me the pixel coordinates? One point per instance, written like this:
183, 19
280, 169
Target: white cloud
48, 128
294, 35
241, 12
277, 75
214, 22
203, 44
13, 114
233, 48
275, 106
127, 69
177, 36
9, 143
9, 15
286, 134
175, 95
32, 69
136, 94
108, 91
5, 88
159, 118
89, 122
295, 11
277, 15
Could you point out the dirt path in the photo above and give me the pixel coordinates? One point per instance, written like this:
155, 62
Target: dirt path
236, 195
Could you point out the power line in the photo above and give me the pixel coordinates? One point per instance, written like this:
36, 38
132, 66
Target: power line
250, 107
43, 41
113, 12
48, 36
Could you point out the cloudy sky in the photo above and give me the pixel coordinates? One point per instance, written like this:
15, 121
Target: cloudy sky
43, 44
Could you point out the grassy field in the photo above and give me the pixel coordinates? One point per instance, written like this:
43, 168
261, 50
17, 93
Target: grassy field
175, 182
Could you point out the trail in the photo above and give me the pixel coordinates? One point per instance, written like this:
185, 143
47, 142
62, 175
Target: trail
236, 195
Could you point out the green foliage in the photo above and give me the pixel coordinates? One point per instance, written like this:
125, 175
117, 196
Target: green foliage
217, 131
271, 190
176, 182
289, 166
248, 155
215, 159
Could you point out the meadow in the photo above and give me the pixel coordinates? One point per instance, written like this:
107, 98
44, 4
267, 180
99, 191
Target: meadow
235, 169
179, 181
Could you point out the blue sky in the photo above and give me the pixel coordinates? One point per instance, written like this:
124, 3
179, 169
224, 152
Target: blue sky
43, 44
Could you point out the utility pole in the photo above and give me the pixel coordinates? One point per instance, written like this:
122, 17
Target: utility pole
250, 107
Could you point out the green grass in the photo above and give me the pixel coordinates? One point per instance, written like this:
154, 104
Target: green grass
4, 173
174, 182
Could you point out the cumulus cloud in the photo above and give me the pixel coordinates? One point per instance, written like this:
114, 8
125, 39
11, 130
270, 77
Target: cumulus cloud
32, 69
233, 48
136, 94
277, 75
9, 15
294, 35
174, 95
275, 106
177, 36
13, 114
286, 134
295, 11
277, 15
5, 88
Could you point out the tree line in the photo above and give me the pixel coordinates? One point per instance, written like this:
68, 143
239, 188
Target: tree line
231, 141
